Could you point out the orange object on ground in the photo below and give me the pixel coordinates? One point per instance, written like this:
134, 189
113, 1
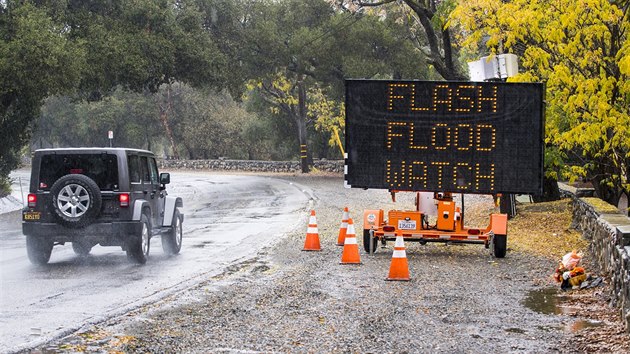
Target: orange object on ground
344, 227
399, 268
312, 235
350, 253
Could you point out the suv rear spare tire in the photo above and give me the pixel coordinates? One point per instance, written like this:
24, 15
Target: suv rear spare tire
76, 200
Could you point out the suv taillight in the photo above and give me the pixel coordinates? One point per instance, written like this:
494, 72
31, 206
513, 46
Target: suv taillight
32, 200
124, 199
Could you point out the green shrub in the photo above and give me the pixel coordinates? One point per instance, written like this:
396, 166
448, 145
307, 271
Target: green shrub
5, 186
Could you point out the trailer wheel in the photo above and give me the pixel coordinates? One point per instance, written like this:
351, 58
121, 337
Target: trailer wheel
499, 245
366, 241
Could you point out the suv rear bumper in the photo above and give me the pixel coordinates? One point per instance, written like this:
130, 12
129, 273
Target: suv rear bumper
111, 234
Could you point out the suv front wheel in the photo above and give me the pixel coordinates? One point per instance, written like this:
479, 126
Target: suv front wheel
138, 246
172, 240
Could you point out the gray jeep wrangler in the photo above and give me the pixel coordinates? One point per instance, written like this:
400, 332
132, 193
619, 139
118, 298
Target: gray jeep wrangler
105, 196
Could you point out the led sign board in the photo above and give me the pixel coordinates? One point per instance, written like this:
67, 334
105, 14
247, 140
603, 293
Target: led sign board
464, 137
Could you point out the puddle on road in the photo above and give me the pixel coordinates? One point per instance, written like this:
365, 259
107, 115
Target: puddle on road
546, 301
202, 244
549, 301
582, 324
516, 330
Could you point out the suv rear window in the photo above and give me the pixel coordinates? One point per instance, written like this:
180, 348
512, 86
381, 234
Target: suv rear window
102, 168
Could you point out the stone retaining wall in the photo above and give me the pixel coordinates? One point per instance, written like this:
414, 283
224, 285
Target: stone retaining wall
250, 165
608, 231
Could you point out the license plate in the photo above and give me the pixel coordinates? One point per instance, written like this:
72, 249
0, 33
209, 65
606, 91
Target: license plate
406, 224
32, 215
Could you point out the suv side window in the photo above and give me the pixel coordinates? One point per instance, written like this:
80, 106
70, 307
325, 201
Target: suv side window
134, 169
145, 169
153, 171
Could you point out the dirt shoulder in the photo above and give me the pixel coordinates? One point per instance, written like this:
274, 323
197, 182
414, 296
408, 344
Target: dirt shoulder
459, 299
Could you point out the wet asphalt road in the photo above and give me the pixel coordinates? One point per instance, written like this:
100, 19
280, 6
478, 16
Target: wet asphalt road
228, 219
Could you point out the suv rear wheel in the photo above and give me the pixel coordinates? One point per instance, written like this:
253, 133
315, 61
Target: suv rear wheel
138, 247
81, 248
172, 240
38, 249
76, 200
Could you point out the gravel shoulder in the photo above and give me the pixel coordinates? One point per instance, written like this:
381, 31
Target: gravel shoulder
460, 299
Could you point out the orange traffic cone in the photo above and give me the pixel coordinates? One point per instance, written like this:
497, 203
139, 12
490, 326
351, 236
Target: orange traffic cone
312, 236
350, 253
399, 269
343, 228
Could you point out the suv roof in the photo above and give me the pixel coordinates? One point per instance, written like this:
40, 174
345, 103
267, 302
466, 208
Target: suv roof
112, 149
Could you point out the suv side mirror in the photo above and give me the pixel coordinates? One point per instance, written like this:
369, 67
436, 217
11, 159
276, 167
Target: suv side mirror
165, 178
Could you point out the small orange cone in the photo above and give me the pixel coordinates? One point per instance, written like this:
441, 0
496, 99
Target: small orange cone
350, 253
343, 228
399, 268
312, 236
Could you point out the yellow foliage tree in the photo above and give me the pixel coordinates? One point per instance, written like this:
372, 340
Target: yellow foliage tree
329, 116
286, 93
305, 102
579, 49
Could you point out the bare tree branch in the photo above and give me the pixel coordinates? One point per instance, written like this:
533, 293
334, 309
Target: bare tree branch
374, 4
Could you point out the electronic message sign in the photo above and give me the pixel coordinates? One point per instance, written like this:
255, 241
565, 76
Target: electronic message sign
463, 137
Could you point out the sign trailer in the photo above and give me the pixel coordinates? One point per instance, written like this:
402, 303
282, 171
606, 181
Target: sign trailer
444, 137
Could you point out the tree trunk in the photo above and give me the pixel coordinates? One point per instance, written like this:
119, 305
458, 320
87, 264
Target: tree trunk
550, 191
440, 58
148, 142
164, 110
189, 150
301, 120
605, 192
